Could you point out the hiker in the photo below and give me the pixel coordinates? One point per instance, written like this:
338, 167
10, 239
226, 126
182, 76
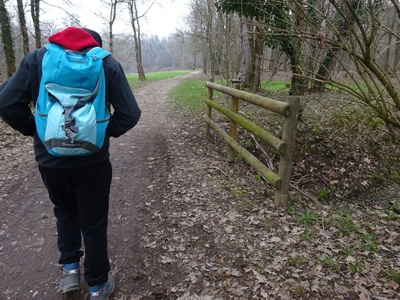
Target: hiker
78, 186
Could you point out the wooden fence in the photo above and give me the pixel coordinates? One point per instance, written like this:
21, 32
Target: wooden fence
284, 145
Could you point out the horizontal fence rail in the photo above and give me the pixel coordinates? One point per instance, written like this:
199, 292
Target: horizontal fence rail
267, 103
284, 145
262, 134
273, 178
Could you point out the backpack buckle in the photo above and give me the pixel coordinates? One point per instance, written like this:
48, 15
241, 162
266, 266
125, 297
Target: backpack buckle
71, 135
69, 125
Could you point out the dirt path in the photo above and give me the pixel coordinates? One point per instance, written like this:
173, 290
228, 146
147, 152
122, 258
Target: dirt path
187, 225
141, 163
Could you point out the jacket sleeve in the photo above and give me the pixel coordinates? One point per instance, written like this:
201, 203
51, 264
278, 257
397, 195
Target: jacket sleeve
126, 112
15, 99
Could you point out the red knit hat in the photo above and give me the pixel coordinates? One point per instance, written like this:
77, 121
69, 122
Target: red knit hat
74, 38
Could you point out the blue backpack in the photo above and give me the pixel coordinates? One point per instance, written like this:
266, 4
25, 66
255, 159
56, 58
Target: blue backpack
71, 113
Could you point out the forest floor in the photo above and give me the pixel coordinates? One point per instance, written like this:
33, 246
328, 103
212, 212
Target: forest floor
186, 224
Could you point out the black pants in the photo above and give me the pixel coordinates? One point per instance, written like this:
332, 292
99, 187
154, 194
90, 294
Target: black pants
81, 202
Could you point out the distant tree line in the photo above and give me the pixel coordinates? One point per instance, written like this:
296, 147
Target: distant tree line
351, 45
22, 30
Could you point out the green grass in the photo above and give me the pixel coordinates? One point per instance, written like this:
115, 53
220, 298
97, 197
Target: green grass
244, 205
324, 194
330, 264
308, 217
155, 76
307, 234
355, 267
275, 85
297, 261
190, 95
343, 221
393, 275
348, 250
370, 243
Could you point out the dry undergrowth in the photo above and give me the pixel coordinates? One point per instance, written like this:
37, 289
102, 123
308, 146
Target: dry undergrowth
338, 239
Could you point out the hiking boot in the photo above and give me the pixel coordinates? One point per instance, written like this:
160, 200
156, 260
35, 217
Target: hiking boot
70, 280
105, 291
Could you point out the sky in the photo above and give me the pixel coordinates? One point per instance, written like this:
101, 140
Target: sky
163, 18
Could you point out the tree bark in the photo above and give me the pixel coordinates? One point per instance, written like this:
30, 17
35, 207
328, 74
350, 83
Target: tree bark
111, 20
258, 56
323, 71
247, 68
6, 38
205, 62
327, 64
295, 47
22, 24
136, 35
214, 68
35, 12
397, 51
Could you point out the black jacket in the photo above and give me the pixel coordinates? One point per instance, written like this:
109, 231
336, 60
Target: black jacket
22, 88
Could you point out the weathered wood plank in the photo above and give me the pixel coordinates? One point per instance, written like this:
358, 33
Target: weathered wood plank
267, 103
269, 175
261, 133
286, 160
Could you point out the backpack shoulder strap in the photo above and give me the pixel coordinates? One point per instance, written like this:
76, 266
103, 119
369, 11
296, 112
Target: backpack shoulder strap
98, 52
52, 46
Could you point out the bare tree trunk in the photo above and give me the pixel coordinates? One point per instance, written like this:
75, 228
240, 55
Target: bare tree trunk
209, 32
205, 62
324, 70
111, 20
247, 68
138, 46
390, 62
218, 37
134, 15
6, 38
397, 51
227, 55
231, 55
327, 64
296, 48
35, 12
258, 55
209, 37
22, 23
274, 65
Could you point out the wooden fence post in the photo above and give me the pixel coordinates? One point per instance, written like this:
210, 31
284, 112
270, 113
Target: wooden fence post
208, 107
233, 125
286, 160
